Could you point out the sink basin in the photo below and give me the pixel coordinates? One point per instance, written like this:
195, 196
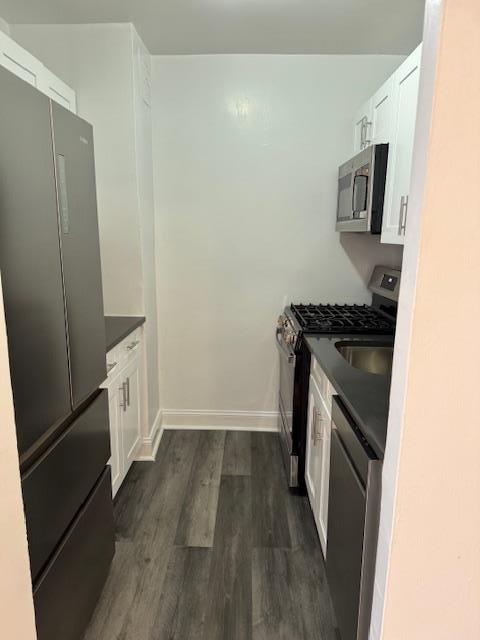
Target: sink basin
372, 357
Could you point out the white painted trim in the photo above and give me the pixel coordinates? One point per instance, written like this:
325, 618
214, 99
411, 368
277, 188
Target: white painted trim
221, 420
149, 444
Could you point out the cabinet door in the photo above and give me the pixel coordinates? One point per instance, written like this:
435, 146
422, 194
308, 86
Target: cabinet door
131, 416
318, 460
406, 83
114, 399
313, 457
18, 61
362, 127
75, 170
324, 479
57, 90
383, 112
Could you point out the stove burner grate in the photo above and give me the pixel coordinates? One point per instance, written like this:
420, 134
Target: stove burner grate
336, 318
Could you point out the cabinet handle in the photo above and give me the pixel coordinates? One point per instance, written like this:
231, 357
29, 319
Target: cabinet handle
317, 435
133, 345
402, 220
128, 391
366, 141
363, 133
123, 390
111, 366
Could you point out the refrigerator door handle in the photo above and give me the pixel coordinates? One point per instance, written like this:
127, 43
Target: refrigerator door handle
63, 193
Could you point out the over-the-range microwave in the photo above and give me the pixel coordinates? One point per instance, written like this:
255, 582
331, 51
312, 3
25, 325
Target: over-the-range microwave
361, 190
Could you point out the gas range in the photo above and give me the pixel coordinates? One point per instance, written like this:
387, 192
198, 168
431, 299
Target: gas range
341, 318
298, 320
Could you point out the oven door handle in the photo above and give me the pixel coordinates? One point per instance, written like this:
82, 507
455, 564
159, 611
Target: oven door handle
288, 355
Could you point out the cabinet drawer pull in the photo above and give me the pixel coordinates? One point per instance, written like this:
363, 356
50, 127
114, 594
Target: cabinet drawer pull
111, 366
133, 345
128, 391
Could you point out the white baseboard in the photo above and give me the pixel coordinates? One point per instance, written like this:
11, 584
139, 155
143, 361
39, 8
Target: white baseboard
149, 445
220, 420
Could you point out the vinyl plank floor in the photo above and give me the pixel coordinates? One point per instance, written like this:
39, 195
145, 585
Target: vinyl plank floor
237, 458
211, 545
229, 614
183, 604
270, 520
196, 527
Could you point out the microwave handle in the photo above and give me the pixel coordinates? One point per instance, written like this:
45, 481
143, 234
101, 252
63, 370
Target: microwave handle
354, 211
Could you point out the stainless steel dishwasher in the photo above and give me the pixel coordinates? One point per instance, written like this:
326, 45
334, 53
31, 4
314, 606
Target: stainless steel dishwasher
353, 516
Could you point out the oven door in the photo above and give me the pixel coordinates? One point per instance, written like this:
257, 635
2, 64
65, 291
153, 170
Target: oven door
287, 382
286, 395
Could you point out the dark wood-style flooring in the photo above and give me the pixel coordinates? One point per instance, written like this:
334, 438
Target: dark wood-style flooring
211, 545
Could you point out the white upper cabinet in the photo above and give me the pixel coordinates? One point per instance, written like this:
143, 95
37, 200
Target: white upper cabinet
389, 117
383, 112
17, 60
362, 127
405, 99
20, 62
57, 90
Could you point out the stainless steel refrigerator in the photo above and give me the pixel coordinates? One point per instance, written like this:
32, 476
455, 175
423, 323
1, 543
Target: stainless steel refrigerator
52, 288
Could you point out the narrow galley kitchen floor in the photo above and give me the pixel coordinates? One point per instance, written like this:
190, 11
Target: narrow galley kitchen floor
211, 545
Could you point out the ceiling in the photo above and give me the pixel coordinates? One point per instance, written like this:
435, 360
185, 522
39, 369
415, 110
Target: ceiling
243, 26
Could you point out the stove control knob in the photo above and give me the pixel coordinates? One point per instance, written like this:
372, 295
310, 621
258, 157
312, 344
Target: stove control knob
280, 322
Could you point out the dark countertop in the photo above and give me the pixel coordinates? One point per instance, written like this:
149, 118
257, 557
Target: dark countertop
118, 327
366, 395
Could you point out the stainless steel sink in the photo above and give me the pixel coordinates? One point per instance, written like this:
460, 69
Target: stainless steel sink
372, 357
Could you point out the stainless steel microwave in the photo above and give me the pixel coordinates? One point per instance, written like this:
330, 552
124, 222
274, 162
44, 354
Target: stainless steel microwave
361, 190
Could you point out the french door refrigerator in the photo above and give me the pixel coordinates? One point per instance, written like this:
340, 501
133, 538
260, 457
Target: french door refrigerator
52, 288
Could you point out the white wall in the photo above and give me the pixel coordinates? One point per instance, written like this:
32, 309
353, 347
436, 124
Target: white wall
104, 63
246, 151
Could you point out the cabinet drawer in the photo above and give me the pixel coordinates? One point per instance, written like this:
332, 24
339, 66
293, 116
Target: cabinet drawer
67, 592
130, 346
58, 484
324, 386
122, 354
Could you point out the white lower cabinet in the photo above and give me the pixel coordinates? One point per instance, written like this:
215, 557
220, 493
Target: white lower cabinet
317, 464
130, 413
124, 395
115, 444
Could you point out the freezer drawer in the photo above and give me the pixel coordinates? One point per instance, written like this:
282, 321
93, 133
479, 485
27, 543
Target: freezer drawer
67, 592
55, 488
79, 240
